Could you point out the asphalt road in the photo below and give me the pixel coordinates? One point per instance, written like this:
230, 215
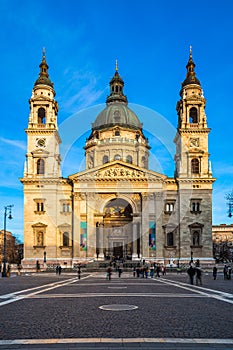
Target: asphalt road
47, 311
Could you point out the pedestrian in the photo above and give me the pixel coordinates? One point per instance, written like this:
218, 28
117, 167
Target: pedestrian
134, 271
215, 270
59, 270
225, 270
191, 273
138, 271
158, 271
120, 270
229, 272
109, 273
198, 276
152, 270
79, 271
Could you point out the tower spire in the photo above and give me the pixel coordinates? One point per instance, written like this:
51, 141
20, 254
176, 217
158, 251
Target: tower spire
116, 88
191, 75
43, 75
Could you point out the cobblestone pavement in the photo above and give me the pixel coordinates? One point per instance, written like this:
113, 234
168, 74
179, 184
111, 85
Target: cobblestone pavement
46, 311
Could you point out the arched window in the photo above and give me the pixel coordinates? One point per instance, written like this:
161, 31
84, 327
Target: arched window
117, 133
170, 239
129, 159
41, 115
195, 166
40, 166
105, 159
196, 238
117, 157
65, 239
193, 118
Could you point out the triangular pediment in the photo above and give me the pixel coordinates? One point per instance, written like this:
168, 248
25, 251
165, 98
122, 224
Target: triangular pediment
118, 170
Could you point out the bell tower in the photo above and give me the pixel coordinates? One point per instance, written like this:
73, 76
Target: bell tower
192, 157
43, 158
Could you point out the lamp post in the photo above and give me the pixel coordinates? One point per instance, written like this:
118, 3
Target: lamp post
7, 210
191, 261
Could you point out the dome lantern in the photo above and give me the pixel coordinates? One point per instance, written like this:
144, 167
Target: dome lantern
191, 75
43, 75
116, 88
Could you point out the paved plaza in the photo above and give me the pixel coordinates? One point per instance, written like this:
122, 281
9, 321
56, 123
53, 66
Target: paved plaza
48, 311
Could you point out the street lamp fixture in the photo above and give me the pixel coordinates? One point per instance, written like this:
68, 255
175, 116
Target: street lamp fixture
7, 211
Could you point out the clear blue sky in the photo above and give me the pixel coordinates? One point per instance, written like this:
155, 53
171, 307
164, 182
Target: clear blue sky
151, 41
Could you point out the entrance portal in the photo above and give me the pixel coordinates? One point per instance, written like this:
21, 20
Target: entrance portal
118, 229
118, 249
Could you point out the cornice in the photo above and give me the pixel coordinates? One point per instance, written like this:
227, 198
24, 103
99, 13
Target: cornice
45, 181
196, 181
194, 129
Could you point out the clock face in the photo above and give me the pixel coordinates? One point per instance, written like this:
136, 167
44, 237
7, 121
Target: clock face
41, 142
194, 142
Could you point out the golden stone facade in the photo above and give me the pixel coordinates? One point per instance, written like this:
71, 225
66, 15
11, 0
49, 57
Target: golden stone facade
117, 206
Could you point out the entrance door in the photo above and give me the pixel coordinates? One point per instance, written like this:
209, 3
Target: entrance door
118, 249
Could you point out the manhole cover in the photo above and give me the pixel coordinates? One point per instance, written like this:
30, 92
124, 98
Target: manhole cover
118, 307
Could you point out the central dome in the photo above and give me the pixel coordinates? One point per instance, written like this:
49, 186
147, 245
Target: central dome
117, 113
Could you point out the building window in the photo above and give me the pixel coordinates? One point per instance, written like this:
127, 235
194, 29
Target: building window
40, 166
41, 116
193, 117
40, 206
170, 239
195, 168
117, 133
195, 206
66, 207
65, 239
196, 238
169, 207
117, 157
105, 159
129, 159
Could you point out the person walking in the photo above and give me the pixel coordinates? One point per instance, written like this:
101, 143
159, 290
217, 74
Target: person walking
109, 273
120, 270
225, 270
158, 271
59, 270
215, 270
198, 274
191, 273
152, 270
138, 271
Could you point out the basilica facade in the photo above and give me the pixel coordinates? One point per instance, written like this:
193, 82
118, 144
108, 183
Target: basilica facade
117, 206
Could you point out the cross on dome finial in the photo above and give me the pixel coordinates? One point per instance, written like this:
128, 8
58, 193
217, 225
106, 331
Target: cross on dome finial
43, 52
116, 65
191, 51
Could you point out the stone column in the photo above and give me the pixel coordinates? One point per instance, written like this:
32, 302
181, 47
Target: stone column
144, 234
101, 241
135, 238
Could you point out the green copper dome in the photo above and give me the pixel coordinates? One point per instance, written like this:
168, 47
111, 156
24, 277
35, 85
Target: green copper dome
117, 113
